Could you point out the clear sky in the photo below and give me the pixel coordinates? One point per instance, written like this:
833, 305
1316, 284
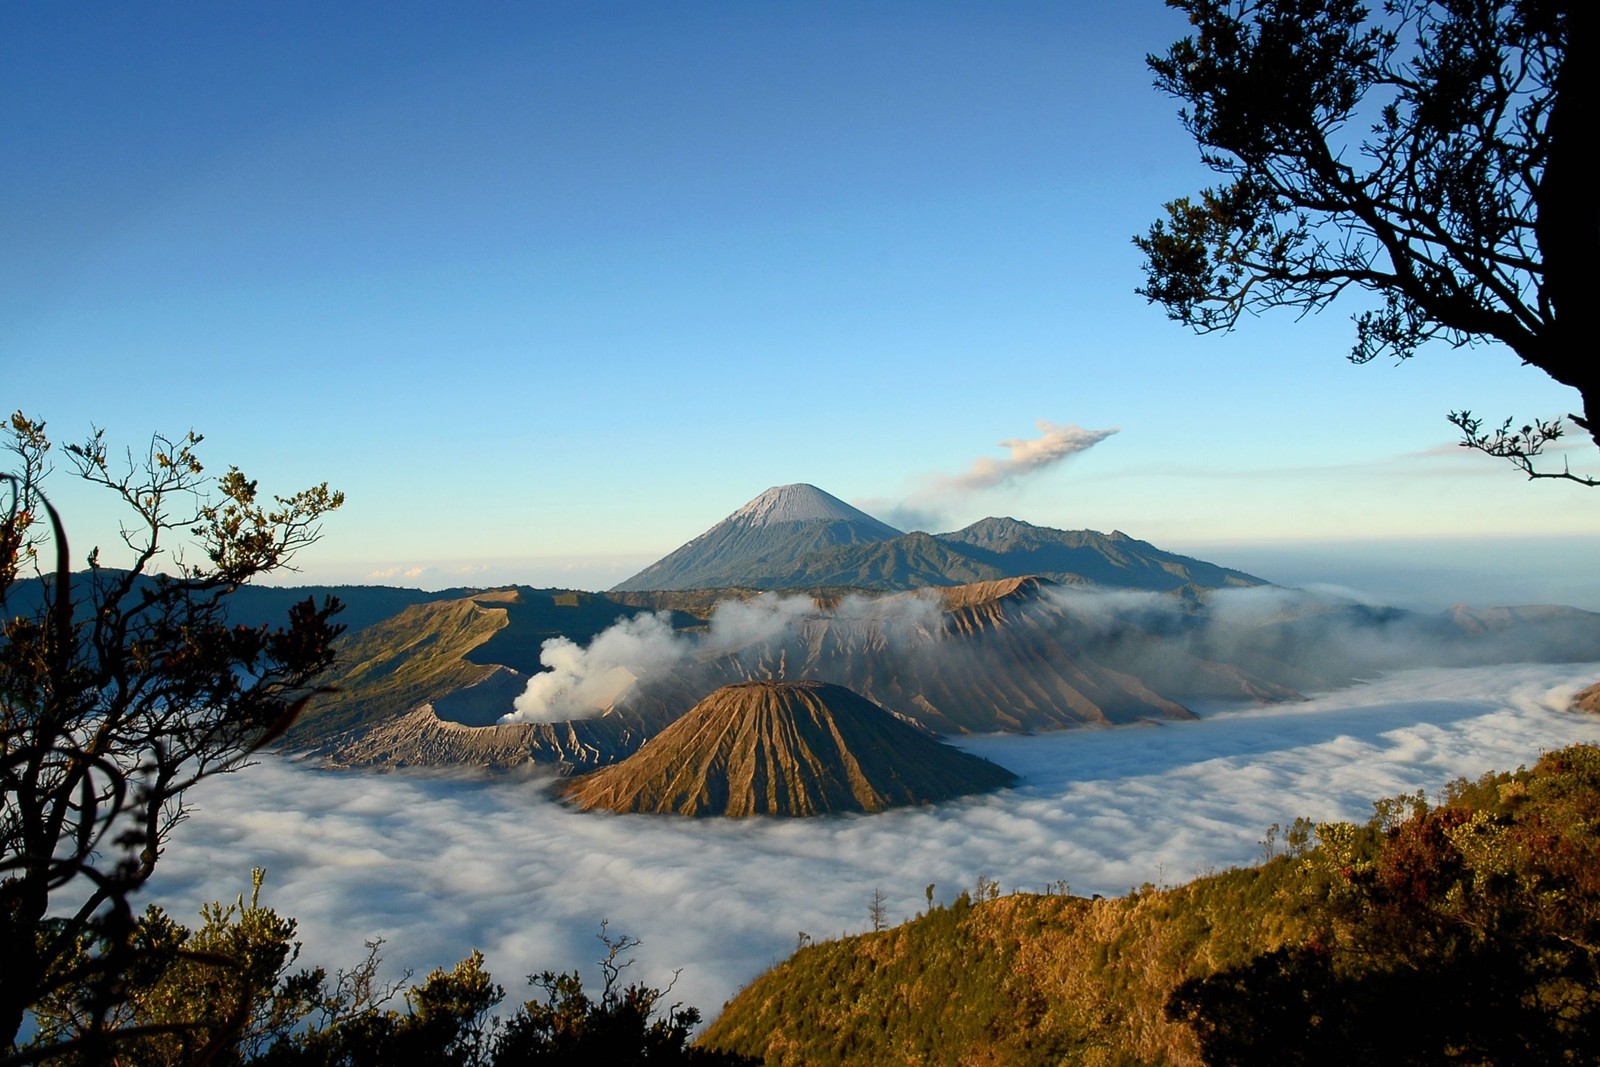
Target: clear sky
548, 289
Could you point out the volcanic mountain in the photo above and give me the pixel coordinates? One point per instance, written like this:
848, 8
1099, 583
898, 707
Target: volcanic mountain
768, 534
1018, 654
427, 686
799, 537
785, 748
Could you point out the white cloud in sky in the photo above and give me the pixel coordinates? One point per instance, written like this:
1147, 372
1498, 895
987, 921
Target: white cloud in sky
942, 496
438, 865
403, 572
1028, 456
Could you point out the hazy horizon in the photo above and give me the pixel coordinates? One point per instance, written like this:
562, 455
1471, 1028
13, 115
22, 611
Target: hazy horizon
1421, 574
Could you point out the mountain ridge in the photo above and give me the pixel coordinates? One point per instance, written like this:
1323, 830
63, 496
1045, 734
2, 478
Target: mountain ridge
800, 537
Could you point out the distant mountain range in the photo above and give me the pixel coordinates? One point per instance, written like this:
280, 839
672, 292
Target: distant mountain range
999, 626
799, 537
427, 686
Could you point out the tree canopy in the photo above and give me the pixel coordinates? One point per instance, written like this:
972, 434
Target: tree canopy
120, 689
1432, 154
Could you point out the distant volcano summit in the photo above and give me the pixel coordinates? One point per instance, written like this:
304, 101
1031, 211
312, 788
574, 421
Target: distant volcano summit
799, 537
785, 748
765, 536
806, 503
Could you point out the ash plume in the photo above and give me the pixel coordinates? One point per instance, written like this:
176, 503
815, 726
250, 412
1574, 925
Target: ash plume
582, 682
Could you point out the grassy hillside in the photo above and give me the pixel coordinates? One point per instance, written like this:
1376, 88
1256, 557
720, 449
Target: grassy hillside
1467, 932
389, 668
432, 652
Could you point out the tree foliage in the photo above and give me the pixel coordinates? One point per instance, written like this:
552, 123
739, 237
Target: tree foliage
120, 689
625, 1025
1433, 154
222, 993
1468, 932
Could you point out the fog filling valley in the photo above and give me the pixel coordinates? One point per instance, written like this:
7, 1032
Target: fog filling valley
438, 865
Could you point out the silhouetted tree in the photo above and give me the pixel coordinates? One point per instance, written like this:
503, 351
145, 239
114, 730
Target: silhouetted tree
120, 689
448, 1020
1434, 154
877, 912
222, 993
569, 1028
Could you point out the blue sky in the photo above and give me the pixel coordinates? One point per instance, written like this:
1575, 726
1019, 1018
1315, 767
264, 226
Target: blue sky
548, 289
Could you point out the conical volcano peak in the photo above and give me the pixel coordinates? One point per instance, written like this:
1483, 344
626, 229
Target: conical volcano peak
803, 503
785, 748
784, 524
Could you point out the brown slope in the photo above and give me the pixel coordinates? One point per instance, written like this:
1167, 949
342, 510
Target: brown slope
417, 688
414, 657
785, 748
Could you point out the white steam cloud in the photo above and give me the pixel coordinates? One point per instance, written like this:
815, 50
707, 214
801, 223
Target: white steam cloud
584, 682
1286, 637
437, 866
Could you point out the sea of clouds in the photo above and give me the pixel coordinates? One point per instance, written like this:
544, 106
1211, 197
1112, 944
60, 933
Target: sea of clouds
438, 865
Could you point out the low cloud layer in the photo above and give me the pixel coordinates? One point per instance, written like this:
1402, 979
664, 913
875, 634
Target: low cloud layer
437, 866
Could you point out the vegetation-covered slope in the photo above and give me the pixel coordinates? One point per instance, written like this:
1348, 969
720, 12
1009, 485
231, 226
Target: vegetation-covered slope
409, 659
1467, 932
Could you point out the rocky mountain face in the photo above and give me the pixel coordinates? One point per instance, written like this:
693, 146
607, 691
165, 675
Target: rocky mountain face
1005, 655
799, 537
420, 738
784, 748
783, 524
959, 646
427, 687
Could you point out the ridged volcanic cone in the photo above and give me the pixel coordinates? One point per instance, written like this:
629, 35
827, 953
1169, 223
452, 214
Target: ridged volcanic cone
785, 748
